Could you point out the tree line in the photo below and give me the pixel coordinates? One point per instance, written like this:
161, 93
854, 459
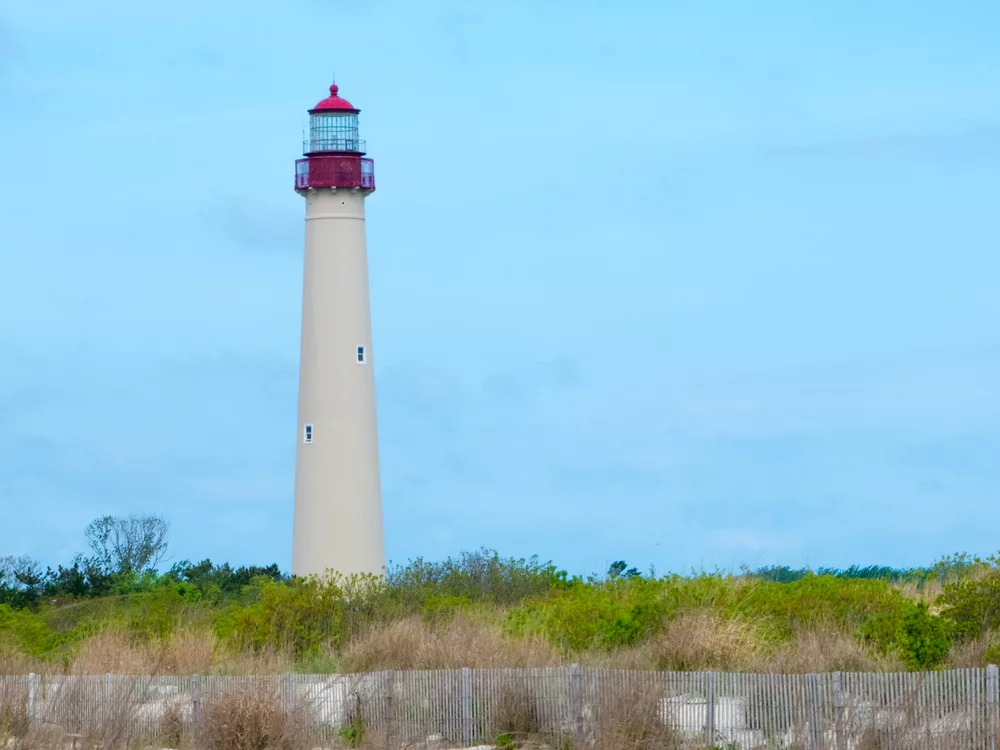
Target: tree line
125, 554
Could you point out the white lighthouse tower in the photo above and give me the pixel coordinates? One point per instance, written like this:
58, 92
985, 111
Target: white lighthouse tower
338, 499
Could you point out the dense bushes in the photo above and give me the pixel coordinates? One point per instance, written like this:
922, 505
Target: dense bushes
972, 605
622, 612
593, 614
699, 621
300, 616
816, 600
481, 576
920, 639
26, 631
306, 615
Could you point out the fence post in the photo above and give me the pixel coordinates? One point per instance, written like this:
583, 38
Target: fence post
289, 691
815, 711
196, 706
712, 679
576, 702
106, 706
992, 687
389, 717
32, 697
838, 711
467, 705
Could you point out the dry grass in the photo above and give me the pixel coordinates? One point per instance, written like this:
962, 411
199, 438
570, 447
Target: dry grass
188, 652
13, 662
696, 640
185, 652
462, 642
927, 593
13, 712
271, 661
515, 713
972, 653
173, 732
629, 718
70, 710
829, 649
254, 720
700, 640
110, 653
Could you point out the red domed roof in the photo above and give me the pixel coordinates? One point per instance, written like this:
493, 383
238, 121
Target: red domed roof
334, 102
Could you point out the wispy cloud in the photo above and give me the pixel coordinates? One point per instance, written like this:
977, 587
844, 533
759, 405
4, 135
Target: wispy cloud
605, 476
254, 224
10, 50
525, 383
502, 387
432, 403
747, 539
564, 371
968, 458
268, 488
967, 140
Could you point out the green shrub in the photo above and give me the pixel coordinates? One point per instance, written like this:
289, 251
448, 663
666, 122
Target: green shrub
261, 608
972, 606
354, 733
609, 614
301, 615
441, 609
28, 632
481, 576
817, 600
921, 639
151, 614
992, 655
624, 611
155, 615
924, 639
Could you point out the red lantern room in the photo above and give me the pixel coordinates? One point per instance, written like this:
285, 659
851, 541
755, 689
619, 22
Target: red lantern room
334, 154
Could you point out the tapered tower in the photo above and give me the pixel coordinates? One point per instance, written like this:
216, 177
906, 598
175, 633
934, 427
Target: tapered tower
338, 499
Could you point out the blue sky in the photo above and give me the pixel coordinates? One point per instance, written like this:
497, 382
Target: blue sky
688, 283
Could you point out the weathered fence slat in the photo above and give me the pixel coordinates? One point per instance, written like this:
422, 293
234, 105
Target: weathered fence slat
838, 710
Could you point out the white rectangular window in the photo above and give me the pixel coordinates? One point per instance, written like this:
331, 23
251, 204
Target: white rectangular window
307, 434
362, 357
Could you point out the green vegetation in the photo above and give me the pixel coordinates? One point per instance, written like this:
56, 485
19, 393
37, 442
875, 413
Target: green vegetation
856, 618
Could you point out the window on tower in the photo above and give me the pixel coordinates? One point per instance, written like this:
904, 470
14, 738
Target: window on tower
307, 434
361, 355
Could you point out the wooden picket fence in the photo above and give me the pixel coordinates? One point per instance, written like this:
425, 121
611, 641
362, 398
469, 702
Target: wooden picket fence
574, 705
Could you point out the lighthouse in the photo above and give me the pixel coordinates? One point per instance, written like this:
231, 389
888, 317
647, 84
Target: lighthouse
338, 498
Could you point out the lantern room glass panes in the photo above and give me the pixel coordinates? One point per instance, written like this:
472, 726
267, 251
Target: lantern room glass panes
334, 132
